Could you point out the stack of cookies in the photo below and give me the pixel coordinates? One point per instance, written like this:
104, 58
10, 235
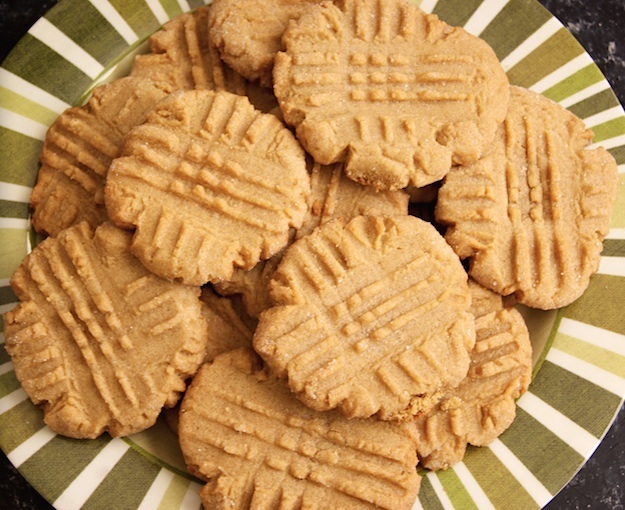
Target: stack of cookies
304, 227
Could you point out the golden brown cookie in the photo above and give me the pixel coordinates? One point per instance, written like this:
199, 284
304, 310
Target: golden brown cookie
397, 94
99, 342
333, 196
180, 54
210, 184
79, 148
248, 33
369, 317
483, 406
532, 214
257, 446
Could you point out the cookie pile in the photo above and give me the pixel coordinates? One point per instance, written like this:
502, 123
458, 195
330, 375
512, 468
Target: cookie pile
307, 223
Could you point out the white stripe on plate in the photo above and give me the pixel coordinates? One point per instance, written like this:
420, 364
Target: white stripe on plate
116, 20
620, 169
15, 193
14, 223
439, 490
158, 11
9, 401
184, 5
81, 488
417, 505
604, 116
428, 5
590, 91
570, 68
483, 15
192, 499
32, 445
531, 43
608, 340
31, 92
6, 367
578, 438
477, 494
614, 266
23, 125
157, 490
526, 478
602, 378
610, 143
51, 36
5, 282
617, 233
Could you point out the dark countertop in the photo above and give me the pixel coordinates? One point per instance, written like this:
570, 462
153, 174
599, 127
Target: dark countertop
598, 25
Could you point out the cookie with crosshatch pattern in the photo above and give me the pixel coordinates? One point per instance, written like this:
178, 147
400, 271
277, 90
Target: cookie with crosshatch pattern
531, 215
97, 341
78, 150
396, 93
370, 317
209, 183
244, 433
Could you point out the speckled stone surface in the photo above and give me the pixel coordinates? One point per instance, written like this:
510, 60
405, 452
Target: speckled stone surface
599, 25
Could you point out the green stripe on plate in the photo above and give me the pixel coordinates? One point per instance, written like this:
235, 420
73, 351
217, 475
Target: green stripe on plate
556, 51
13, 249
19, 156
619, 155
592, 408
175, 493
194, 4
602, 358
132, 476
592, 307
12, 101
604, 100
505, 33
500, 486
548, 457
7, 296
4, 358
30, 419
70, 456
456, 490
8, 383
427, 496
171, 7
583, 78
613, 248
86, 26
454, 13
9, 209
610, 129
138, 15
59, 77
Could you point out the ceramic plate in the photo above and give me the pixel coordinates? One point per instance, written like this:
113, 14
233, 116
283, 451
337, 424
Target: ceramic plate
579, 373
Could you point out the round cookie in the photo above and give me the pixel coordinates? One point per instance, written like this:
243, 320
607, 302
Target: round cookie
248, 33
78, 149
210, 184
483, 406
397, 94
257, 446
532, 214
99, 342
369, 317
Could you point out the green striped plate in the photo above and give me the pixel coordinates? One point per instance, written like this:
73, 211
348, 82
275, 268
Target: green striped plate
579, 381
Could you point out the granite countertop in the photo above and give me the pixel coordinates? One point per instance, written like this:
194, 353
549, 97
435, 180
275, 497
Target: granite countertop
598, 26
